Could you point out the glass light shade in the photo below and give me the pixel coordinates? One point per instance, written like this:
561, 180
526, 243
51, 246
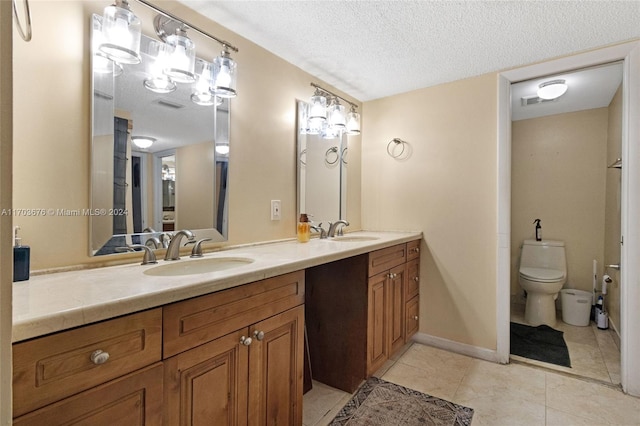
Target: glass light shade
318, 107
552, 89
315, 125
201, 90
353, 123
158, 81
303, 118
104, 65
329, 132
180, 66
142, 142
336, 117
223, 82
222, 149
121, 30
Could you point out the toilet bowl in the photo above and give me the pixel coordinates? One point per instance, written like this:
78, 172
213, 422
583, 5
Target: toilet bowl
542, 273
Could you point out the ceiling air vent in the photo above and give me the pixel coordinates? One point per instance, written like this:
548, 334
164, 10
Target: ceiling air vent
169, 104
534, 100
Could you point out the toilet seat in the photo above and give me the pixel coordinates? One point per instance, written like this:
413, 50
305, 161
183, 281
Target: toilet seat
542, 275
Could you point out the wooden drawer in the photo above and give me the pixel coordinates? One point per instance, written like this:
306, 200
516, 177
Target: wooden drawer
413, 250
412, 288
381, 260
196, 321
132, 400
412, 317
50, 368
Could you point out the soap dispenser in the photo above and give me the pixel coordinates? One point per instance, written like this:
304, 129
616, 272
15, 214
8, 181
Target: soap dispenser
304, 229
538, 230
21, 258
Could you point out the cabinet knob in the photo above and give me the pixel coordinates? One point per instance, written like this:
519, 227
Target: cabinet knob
415, 317
99, 357
417, 249
392, 275
246, 341
416, 279
258, 335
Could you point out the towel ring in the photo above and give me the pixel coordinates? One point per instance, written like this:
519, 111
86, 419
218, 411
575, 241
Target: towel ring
304, 152
344, 155
334, 150
27, 13
396, 141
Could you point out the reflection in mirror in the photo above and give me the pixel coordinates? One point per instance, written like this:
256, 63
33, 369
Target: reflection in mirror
159, 161
322, 174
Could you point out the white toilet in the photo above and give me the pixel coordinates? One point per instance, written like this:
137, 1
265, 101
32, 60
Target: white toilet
543, 272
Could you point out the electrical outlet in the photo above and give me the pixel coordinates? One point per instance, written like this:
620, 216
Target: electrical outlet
275, 210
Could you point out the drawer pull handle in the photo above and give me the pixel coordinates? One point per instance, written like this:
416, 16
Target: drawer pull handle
415, 317
258, 335
99, 357
246, 341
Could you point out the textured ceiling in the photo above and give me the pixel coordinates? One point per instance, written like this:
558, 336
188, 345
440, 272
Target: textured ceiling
373, 49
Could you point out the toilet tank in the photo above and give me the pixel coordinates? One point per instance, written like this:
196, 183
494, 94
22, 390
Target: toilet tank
546, 254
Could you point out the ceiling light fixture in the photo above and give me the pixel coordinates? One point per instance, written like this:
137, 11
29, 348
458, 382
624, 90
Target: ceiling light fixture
143, 142
552, 89
330, 120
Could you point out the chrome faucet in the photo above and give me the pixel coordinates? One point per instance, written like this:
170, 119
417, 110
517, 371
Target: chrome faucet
165, 238
173, 251
320, 229
153, 242
149, 256
334, 226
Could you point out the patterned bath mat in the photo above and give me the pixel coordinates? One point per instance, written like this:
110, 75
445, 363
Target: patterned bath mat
379, 402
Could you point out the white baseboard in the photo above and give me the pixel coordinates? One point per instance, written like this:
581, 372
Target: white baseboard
457, 347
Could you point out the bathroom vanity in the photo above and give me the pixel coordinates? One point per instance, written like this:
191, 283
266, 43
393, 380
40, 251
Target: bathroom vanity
124, 345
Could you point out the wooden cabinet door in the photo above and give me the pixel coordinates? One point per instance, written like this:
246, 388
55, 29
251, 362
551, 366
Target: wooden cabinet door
131, 400
276, 369
395, 308
377, 330
412, 315
208, 385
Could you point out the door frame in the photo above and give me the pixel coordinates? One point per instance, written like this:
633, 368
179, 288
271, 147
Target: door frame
628, 52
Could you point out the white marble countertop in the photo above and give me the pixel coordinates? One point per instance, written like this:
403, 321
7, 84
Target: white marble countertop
48, 303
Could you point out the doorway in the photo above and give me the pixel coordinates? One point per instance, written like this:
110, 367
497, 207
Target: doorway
630, 198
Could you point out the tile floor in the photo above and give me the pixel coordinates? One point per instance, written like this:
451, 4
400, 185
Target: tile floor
513, 394
594, 353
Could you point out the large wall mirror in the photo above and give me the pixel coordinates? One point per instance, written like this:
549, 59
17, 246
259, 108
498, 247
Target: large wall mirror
159, 161
322, 174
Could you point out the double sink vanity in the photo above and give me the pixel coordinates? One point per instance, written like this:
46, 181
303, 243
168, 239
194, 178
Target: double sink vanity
219, 337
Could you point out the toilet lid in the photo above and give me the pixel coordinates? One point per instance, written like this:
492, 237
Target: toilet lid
541, 274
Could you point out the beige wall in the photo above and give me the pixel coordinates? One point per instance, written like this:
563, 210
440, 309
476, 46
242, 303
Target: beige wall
194, 186
447, 190
612, 210
558, 172
52, 125
6, 251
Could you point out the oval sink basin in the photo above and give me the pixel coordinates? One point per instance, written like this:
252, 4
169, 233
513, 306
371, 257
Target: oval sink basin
200, 266
353, 239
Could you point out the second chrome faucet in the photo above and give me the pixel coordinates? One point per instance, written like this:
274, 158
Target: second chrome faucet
173, 251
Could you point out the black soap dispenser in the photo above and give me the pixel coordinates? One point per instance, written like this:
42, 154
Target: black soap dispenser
538, 230
21, 258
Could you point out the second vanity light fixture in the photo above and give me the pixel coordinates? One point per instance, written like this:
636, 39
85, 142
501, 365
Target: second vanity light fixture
326, 116
174, 59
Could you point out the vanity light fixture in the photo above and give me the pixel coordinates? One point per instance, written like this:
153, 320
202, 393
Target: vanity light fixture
201, 90
158, 81
143, 142
222, 148
121, 30
182, 59
121, 33
353, 122
224, 75
552, 89
330, 121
